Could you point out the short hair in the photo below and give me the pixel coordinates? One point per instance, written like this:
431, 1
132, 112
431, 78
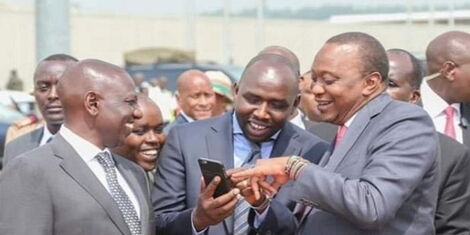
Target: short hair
60, 57
372, 53
272, 59
417, 72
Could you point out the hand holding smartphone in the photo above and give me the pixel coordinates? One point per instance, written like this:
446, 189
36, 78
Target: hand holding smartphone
211, 168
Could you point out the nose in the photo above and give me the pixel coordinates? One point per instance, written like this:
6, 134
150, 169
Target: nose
317, 89
137, 113
52, 93
261, 111
155, 138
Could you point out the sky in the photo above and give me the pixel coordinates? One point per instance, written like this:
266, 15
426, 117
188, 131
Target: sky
178, 7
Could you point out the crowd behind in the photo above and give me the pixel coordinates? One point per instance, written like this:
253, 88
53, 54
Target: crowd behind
366, 141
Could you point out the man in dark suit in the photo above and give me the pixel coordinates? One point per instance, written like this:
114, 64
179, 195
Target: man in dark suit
46, 76
453, 206
264, 99
445, 92
380, 176
74, 185
195, 98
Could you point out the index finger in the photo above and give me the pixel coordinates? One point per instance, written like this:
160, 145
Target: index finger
246, 173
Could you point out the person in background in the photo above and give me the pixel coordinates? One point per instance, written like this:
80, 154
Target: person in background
222, 87
453, 205
14, 82
195, 97
46, 77
141, 84
146, 139
445, 93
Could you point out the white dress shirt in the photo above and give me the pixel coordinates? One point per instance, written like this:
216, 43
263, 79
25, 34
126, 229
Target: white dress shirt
435, 106
46, 134
297, 120
88, 151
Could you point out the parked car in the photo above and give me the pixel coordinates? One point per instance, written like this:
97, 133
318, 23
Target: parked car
173, 70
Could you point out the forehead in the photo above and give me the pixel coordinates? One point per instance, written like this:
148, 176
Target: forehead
260, 76
47, 69
400, 66
195, 84
337, 57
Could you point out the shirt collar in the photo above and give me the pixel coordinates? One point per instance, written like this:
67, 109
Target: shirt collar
86, 150
46, 134
188, 118
433, 103
237, 130
297, 119
349, 121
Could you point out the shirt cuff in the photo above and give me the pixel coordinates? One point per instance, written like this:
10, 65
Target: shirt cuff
194, 229
259, 218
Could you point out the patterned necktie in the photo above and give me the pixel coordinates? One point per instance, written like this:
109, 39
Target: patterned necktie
240, 225
117, 193
449, 129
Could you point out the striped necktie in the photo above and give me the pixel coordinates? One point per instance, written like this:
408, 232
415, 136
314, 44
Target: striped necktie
240, 225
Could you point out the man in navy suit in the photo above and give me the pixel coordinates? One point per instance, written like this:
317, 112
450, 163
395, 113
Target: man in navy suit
264, 100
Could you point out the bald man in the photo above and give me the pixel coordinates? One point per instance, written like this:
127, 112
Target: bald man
258, 128
195, 98
73, 185
445, 93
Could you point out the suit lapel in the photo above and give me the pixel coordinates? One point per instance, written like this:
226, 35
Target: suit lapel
36, 136
356, 128
77, 169
286, 143
219, 144
137, 188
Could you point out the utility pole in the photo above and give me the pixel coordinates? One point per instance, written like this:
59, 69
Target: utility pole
52, 27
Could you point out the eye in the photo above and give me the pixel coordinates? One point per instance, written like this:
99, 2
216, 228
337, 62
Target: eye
279, 105
139, 131
42, 87
251, 99
392, 84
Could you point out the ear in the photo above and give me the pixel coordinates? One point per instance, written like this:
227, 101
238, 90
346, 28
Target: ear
372, 83
448, 70
91, 103
415, 97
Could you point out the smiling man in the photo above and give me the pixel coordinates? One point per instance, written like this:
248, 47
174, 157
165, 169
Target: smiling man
195, 97
258, 128
46, 77
381, 175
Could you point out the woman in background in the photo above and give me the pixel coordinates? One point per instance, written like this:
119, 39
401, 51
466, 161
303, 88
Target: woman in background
144, 143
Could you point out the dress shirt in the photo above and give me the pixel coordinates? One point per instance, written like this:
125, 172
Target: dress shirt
435, 106
188, 118
46, 134
88, 151
297, 120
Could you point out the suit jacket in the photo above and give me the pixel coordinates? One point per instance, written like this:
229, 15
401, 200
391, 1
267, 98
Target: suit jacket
22, 144
465, 123
180, 119
381, 179
453, 206
324, 130
51, 190
177, 180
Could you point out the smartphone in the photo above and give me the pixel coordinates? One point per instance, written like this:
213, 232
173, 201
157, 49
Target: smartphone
212, 168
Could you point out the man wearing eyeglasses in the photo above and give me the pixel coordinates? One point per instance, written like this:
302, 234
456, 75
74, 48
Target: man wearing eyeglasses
446, 92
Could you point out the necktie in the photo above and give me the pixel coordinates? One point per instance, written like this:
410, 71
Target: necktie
340, 134
117, 193
449, 129
240, 225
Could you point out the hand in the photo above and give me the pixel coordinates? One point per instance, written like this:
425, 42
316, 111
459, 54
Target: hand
274, 167
210, 210
244, 185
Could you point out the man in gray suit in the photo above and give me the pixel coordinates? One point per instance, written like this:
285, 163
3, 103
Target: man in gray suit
195, 98
264, 100
74, 185
453, 205
46, 76
380, 176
